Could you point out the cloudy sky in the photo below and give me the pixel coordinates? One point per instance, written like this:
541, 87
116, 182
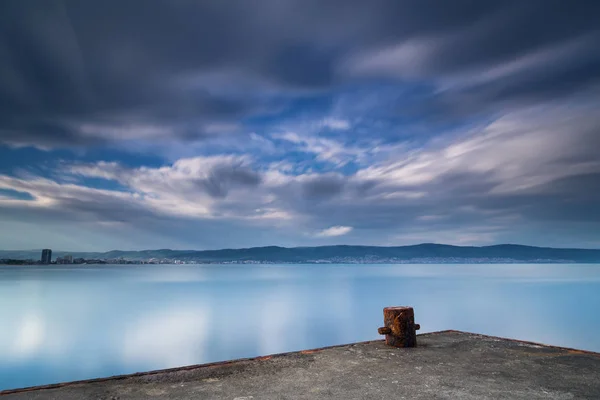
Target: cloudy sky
210, 124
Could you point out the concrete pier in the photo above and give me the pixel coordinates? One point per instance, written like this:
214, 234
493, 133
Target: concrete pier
445, 365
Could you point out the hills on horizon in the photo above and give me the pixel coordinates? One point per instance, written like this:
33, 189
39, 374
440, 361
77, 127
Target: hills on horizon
420, 253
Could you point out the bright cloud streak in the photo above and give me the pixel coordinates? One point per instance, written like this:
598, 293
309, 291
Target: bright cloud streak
335, 231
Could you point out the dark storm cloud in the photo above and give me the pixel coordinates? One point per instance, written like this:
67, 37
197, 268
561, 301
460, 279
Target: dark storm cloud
507, 30
463, 204
509, 54
549, 80
78, 63
562, 200
70, 64
221, 178
323, 187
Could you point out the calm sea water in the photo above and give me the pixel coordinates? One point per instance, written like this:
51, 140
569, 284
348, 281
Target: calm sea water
62, 323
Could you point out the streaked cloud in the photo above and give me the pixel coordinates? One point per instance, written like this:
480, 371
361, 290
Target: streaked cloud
335, 231
388, 117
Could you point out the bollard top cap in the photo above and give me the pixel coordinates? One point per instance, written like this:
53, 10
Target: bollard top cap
398, 308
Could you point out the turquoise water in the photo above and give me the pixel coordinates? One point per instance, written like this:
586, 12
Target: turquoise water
61, 323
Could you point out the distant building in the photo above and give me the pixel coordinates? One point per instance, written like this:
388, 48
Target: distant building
46, 256
67, 259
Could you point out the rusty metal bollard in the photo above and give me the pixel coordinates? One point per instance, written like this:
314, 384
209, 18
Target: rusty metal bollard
400, 328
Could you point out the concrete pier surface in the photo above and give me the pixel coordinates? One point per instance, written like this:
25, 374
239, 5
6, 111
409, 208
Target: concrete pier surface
445, 365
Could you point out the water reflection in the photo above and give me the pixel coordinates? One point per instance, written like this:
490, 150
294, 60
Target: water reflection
74, 323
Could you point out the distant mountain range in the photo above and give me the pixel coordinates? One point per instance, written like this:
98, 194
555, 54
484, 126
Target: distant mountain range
422, 253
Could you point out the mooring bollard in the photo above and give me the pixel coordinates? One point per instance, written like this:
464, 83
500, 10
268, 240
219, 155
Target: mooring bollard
400, 328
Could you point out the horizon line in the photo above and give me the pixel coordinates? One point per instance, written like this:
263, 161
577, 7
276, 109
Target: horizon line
320, 246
